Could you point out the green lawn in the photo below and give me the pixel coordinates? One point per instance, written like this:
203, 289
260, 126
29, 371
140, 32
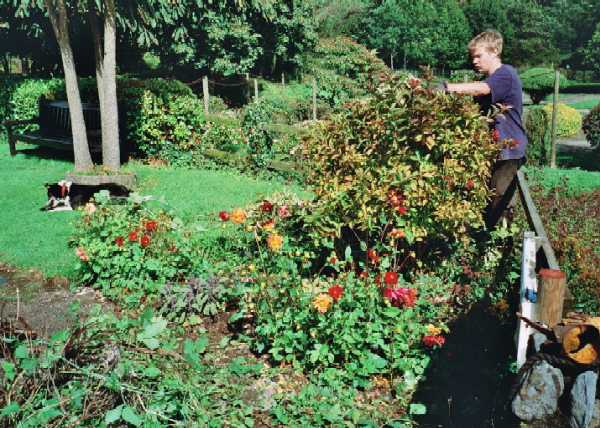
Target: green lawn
37, 239
577, 101
575, 180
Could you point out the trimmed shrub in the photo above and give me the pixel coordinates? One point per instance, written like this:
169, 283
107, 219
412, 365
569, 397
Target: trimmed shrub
255, 121
537, 127
568, 120
539, 82
408, 158
591, 126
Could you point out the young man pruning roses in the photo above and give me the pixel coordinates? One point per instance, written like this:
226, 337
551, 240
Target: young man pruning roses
501, 88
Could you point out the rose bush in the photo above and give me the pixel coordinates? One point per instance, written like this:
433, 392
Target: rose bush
129, 251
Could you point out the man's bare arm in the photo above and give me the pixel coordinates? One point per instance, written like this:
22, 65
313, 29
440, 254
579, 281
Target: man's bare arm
472, 88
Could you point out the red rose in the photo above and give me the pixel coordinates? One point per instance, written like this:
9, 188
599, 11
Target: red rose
145, 241
496, 135
224, 215
372, 256
336, 292
363, 275
388, 293
119, 241
150, 226
391, 278
432, 341
133, 236
470, 184
401, 210
266, 206
407, 296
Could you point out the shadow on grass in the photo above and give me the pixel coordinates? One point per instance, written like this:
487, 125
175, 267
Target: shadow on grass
585, 158
468, 382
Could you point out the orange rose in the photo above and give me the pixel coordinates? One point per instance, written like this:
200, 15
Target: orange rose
322, 302
238, 216
275, 242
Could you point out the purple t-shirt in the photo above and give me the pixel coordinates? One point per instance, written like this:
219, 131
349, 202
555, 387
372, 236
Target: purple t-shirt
506, 89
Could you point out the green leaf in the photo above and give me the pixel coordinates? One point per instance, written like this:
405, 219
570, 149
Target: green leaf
21, 352
130, 416
417, 409
9, 370
113, 415
10, 409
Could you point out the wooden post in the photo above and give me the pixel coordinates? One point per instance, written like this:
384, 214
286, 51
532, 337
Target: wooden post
554, 114
282, 78
255, 90
552, 296
11, 140
205, 93
314, 98
392, 61
528, 285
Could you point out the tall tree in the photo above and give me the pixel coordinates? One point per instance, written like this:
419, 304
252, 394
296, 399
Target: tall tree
57, 12
106, 77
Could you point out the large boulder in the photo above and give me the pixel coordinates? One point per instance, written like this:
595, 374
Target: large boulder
583, 397
538, 396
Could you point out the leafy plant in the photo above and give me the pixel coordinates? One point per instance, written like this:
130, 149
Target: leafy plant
255, 123
591, 126
539, 82
537, 127
195, 296
568, 120
407, 159
129, 251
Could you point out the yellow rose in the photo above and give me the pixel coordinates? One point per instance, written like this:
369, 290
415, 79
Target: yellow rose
433, 330
274, 242
238, 216
322, 302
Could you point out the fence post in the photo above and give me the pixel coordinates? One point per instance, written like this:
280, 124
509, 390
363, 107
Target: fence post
554, 114
528, 286
255, 90
314, 98
11, 140
552, 296
392, 61
282, 78
205, 93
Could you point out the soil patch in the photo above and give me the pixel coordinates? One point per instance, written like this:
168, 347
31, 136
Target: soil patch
44, 304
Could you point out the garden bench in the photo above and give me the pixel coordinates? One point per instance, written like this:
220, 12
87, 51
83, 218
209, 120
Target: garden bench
54, 124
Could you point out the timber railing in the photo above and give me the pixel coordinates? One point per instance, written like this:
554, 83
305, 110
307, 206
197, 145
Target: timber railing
543, 303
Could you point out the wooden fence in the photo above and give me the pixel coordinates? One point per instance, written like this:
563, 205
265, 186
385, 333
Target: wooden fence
541, 301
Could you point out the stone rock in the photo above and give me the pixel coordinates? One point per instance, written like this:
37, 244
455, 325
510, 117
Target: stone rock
262, 393
539, 393
537, 340
583, 397
596, 418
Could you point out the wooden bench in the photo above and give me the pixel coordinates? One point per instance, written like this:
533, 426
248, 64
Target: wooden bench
54, 123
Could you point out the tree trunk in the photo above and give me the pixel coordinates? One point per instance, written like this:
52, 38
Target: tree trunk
111, 154
105, 54
58, 17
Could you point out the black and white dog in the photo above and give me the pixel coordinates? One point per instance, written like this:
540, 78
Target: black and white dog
67, 196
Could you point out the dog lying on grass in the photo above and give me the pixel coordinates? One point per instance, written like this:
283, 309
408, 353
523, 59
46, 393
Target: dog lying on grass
67, 196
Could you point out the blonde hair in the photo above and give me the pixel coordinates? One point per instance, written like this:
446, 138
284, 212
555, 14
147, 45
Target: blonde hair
490, 40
